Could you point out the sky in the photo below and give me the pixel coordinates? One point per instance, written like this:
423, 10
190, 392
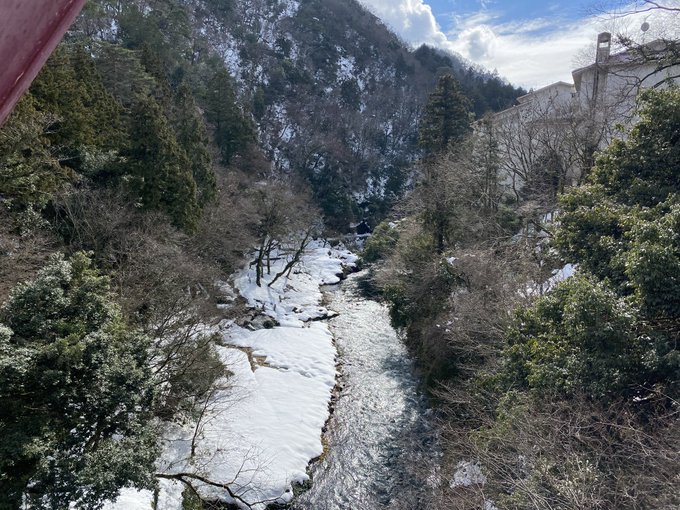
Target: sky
531, 43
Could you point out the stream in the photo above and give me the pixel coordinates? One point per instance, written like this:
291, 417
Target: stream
382, 450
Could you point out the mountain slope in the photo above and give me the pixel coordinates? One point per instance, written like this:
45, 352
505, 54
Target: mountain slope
335, 95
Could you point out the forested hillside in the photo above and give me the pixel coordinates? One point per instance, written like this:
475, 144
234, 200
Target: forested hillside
333, 96
337, 97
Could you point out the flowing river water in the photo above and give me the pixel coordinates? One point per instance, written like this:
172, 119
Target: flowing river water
382, 450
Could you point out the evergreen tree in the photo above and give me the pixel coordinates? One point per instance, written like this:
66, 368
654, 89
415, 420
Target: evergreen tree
70, 87
164, 27
193, 138
233, 132
631, 182
447, 116
259, 103
29, 170
75, 392
444, 126
159, 167
105, 111
153, 65
123, 74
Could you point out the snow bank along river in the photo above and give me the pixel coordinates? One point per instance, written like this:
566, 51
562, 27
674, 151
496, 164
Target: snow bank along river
265, 425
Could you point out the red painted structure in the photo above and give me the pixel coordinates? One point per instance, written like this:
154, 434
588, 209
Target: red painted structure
29, 32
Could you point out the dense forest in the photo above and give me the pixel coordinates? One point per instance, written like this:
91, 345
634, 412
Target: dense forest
167, 143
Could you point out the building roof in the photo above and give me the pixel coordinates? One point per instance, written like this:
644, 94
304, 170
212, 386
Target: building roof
655, 49
558, 84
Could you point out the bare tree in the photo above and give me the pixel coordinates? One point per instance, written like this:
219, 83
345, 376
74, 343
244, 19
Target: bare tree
164, 289
228, 226
238, 487
548, 142
647, 42
287, 222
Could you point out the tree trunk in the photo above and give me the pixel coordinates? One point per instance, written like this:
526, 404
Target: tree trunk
259, 270
294, 260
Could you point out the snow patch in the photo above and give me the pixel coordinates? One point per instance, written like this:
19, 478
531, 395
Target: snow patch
295, 300
131, 499
346, 70
263, 425
466, 475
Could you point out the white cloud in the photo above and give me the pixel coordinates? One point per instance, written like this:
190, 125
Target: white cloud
529, 53
413, 20
478, 43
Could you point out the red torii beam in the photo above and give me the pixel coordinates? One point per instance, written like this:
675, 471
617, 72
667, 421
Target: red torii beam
29, 32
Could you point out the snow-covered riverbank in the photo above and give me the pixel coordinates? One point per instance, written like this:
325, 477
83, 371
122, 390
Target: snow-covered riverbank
263, 427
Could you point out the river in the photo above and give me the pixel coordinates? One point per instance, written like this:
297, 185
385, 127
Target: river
382, 450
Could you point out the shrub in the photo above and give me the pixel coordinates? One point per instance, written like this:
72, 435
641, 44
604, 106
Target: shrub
578, 338
381, 243
75, 392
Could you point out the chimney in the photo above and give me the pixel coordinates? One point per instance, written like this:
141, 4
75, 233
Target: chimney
604, 44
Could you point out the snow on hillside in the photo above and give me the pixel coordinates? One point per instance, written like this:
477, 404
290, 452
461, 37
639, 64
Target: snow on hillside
264, 425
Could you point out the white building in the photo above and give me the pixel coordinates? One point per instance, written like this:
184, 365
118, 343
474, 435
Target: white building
613, 82
548, 140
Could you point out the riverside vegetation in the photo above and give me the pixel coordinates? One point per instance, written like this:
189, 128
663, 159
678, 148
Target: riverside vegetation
563, 396
163, 140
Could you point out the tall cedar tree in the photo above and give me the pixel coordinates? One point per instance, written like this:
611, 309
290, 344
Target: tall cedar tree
445, 123
233, 132
181, 109
29, 171
123, 74
159, 167
447, 116
193, 138
153, 65
70, 87
163, 27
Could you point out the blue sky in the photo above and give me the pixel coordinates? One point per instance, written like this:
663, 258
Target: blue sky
509, 11
532, 43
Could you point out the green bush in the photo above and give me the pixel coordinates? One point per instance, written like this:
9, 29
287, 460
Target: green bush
381, 243
579, 338
75, 392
